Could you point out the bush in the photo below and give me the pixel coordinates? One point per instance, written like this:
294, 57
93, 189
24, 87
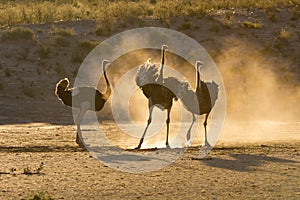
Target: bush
18, 33
285, 34
248, 24
61, 41
184, 26
66, 32
40, 196
28, 91
87, 45
7, 72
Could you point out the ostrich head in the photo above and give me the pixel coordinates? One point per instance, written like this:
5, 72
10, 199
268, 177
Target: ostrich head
198, 64
105, 62
164, 47
148, 62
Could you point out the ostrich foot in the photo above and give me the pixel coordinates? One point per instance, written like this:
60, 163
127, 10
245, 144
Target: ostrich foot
168, 146
188, 143
79, 142
206, 145
138, 147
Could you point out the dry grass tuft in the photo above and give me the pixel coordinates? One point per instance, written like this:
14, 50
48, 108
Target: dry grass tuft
254, 25
18, 33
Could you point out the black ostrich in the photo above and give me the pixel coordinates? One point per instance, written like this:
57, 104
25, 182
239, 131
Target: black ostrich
201, 101
159, 91
84, 98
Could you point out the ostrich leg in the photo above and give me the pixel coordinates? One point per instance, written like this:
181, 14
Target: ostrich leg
148, 123
188, 135
206, 143
168, 124
83, 109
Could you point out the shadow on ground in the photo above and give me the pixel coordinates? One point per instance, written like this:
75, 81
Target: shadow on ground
40, 149
243, 162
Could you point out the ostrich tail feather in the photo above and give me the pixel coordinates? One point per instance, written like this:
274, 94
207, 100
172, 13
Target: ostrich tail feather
147, 73
61, 86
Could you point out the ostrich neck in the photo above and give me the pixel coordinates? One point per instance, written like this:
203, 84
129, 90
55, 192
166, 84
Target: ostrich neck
161, 75
198, 78
108, 89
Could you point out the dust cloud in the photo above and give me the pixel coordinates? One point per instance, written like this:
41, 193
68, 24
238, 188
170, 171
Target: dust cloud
258, 86
262, 95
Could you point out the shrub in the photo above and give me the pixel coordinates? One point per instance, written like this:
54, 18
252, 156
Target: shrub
40, 196
28, 91
184, 26
59, 69
61, 41
78, 57
294, 13
214, 28
285, 34
66, 32
272, 16
18, 33
248, 24
88, 45
43, 51
7, 72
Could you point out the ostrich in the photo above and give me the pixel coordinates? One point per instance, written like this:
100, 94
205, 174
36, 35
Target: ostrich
159, 91
84, 98
201, 101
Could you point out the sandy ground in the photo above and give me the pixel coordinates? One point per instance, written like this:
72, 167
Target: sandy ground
233, 171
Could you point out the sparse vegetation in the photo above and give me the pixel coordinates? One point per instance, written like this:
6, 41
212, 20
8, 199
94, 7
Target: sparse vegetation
23, 54
248, 24
29, 171
61, 41
7, 72
272, 16
214, 28
40, 196
43, 51
285, 34
104, 28
18, 33
66, 32
29, 92
184, 26
78, 57
294, 13
13, 13
87, 45
59, 69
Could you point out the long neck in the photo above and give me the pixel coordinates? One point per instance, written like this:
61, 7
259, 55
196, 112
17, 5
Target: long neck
108, 89
161, 76
198, 77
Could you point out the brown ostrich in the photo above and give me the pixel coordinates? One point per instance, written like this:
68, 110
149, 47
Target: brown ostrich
159, 91
84, 98
201, 101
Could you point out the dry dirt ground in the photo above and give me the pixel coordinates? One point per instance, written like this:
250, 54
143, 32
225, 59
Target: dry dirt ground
36, 128
249, 171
